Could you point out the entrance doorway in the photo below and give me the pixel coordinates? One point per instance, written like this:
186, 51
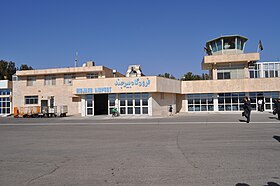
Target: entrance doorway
44, 106
101, 104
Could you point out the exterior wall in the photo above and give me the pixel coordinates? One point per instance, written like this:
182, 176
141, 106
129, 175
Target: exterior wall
231, 85
126, 85
162, 91
180, 103
160, 106
109, 73
5, 84
229, 58
62, 93
168, 85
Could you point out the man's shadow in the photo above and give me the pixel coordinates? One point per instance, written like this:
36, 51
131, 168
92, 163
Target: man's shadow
242, 120
277, 138
272, 184
268, 184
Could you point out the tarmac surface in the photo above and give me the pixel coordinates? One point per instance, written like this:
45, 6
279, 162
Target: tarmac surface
186, 149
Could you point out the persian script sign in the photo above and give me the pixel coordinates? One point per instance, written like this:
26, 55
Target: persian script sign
132, 83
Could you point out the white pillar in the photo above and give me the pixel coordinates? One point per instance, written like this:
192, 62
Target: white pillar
216, 103
83, 105
150, 105
186, 103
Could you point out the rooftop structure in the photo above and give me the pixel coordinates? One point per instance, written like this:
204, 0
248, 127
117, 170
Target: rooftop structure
225, 53
230, 44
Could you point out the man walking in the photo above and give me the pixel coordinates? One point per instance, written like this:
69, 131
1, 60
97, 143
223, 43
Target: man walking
247, 109
277, 108
260, 105
170, 110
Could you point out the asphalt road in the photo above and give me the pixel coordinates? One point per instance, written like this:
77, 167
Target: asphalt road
215, 149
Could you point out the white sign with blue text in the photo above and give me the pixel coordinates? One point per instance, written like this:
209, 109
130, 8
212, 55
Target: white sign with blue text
132, 83
122, 84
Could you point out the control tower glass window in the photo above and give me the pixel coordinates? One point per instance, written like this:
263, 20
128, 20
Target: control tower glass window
214, 46
219, 44
229, 43
240, 43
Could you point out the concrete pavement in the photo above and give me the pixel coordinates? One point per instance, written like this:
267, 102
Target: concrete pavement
205, 149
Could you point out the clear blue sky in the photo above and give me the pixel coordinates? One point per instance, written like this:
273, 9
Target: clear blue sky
160, 35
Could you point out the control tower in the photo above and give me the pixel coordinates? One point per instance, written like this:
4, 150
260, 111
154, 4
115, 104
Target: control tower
226, 58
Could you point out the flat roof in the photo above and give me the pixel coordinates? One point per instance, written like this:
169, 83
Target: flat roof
60, 70
225, 36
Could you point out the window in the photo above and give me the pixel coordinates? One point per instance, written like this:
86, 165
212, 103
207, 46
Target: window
271, 69
93, 75
31, 100
223, 75
229, 43
240, 43
214, 46
200, 102
219, 44
136, 103
31, 81
50, 80
5, 91
268, 98
230, 101
89, 102
112, 102
230, 72
255, 71
15, 78
68, 79
5, 105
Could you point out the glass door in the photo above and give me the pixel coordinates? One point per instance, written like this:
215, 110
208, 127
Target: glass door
134, 103
89, 103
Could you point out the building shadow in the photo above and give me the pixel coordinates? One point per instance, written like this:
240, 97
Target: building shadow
272, 184
277, 138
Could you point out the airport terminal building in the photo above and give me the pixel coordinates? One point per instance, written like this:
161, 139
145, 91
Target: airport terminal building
94, 90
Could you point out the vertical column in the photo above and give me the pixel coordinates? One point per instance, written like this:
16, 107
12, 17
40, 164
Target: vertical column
216, 104
261, 70
246, 71
214, 72
83, 105
11, 103
150, 105
186, 102
117, 102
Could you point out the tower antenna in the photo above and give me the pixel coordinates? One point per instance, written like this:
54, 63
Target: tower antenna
76, 59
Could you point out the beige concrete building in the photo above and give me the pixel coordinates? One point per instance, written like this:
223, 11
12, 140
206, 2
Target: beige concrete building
93, 90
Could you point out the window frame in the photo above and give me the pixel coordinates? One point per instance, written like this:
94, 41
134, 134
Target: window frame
50, 80
93, 75
31, 100
68, 79
30, 80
